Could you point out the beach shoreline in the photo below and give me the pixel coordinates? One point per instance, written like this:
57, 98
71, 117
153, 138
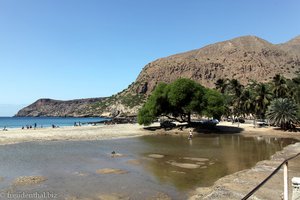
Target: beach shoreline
78, 133
117, 131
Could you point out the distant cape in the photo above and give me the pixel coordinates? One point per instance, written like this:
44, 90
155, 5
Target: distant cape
57, 108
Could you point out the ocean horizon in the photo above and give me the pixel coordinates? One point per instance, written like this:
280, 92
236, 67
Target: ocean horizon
19, 122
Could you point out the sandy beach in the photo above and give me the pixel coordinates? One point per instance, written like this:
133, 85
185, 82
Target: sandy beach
233, 186
116, 131
101, 132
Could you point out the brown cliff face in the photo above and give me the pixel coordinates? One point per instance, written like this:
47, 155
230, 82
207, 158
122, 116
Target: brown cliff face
244, 58
292, 46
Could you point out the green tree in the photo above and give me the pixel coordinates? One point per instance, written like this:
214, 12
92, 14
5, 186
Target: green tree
294, 89
235, 92
221, 85
247, 105
185, 96
280, 89
178, 100
214, 102
262, 98
236, 88
156, 105
175, 101
283, 112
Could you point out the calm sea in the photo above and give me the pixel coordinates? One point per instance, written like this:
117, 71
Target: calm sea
18, 122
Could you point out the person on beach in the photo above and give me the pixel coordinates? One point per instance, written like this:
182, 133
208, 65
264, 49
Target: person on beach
34, 125
4, 129
190, 134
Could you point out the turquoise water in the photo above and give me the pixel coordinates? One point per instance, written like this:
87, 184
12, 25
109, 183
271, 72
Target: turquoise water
18, 122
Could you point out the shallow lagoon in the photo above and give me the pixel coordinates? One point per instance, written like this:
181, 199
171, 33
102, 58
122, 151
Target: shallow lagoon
154, 166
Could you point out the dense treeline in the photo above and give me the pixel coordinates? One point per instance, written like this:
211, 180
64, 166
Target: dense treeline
277, 100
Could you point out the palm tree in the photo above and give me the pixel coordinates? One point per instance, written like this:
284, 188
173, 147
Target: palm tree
280, 89
221, 85
294, 89
235, 90
236, 87
247, 102
283, 113
262, 98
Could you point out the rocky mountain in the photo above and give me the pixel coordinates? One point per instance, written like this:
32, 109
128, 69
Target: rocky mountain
244, 58
292, 46
56, 108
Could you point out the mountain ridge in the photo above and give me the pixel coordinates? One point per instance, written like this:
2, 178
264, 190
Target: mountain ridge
244, 58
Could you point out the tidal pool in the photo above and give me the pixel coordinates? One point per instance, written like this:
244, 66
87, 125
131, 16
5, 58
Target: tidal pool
149, 167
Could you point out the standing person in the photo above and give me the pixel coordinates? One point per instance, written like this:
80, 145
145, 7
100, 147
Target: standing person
190, 134
34, 125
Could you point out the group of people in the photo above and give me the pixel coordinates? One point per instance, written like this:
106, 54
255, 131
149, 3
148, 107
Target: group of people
30, 126
77, 123
54, 126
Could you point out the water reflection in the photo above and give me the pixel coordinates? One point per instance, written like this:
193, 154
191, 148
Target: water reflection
170, 165
227, 154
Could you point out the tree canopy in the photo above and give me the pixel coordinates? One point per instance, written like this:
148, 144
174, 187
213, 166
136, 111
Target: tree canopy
183, 97
254, 99
178, 100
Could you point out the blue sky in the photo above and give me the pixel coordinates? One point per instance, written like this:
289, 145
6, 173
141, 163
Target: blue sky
68, 49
